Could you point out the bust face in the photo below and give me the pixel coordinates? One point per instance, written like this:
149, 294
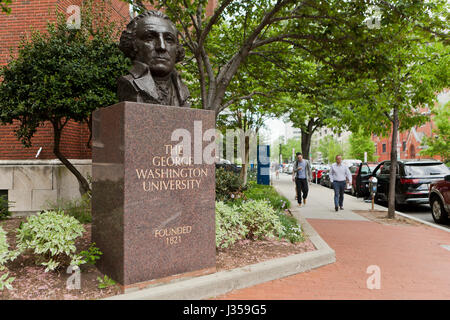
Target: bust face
156, 44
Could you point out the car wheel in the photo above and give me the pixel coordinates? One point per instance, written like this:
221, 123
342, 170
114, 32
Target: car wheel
438, 211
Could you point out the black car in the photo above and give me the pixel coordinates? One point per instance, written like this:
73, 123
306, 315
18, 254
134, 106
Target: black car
412, 182
325, 180
360, 178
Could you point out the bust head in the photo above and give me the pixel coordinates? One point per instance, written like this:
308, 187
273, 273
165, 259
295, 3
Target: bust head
151, 38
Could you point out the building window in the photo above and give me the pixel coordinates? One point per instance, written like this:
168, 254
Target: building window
376, 147
404, 146
384, 147
4, 194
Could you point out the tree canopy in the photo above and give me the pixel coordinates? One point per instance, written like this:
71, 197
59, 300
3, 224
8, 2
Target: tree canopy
62, 75
439, 143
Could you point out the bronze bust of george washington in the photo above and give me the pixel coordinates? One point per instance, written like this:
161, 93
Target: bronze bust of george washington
151, 42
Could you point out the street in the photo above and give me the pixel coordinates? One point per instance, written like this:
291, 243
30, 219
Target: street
420, 211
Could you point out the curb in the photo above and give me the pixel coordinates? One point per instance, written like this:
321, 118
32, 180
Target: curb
219, 283
407, 216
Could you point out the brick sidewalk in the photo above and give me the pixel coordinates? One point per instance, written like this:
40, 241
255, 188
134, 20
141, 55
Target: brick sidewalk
413, 264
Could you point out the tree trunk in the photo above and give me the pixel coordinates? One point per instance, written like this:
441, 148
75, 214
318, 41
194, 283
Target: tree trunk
393, 170
306, 139
82, 182
246, 159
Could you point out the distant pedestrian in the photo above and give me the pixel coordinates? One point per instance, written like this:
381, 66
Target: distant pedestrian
339, 176
301, 174
278, 168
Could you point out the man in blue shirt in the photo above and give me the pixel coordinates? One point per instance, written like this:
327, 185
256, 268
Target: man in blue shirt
339, 176
301, 174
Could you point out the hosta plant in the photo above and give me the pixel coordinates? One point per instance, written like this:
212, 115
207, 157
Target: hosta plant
51, 236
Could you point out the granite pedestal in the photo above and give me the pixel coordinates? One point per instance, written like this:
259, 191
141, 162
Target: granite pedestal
153, 206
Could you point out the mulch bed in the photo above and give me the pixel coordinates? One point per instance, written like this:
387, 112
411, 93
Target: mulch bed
32, 283
380, 216
246, 252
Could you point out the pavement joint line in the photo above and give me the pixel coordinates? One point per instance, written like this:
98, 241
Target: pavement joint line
223, 282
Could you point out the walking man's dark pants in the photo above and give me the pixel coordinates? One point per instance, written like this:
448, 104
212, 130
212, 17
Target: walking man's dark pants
302, 187
339, 187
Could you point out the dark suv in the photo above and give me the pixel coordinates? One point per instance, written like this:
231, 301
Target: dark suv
360, 178
413, 180
440, 200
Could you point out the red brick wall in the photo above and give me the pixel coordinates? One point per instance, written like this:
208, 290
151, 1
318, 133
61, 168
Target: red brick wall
27, 14
413, 146
73, 142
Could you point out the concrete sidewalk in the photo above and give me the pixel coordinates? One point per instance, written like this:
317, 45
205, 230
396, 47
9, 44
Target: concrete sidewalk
413, 260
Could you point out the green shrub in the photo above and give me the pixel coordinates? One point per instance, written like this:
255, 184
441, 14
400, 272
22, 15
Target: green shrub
291, 229
105, 282
5, 256
260, 219
264, 192
91, 255
80, 209
251, 175
229, 225
51, 236
227, 184
4, 207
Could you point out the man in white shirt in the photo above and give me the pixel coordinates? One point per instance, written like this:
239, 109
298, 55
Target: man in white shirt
339, 176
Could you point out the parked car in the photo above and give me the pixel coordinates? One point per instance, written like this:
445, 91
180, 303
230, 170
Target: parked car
318, 171
412, 182
360, 178
351, 162
325, 179
440, 200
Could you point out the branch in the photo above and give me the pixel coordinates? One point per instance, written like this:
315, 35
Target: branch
249, 96
306, 16
212, 21
194, 23
285, 36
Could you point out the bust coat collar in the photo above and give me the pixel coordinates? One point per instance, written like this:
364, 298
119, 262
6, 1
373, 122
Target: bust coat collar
144, 81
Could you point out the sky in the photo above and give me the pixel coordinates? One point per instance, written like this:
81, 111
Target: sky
273, 128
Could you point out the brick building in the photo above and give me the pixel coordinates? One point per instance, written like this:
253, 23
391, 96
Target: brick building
26, 15
33, 177
409, 143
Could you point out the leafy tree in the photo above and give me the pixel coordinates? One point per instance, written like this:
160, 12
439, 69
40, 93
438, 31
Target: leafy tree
4, 5
361, 142
330, 148
286, 149
392, 99
439, 143
60, 76
333, 32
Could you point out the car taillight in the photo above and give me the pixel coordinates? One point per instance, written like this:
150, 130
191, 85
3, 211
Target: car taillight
409, 181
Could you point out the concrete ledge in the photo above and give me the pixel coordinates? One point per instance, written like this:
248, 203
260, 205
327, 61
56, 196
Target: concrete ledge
43, 162
225, 281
